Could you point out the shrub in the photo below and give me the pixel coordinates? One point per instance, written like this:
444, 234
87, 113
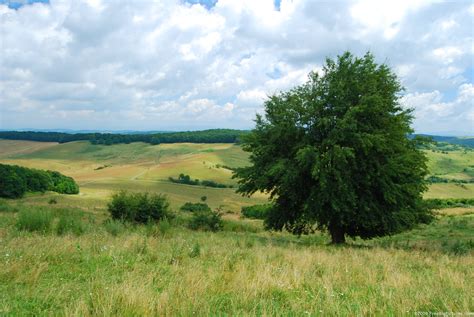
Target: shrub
39, 220
52, 201
195, 207
138, 207
256, 211
70, 223
206, 220
437, 203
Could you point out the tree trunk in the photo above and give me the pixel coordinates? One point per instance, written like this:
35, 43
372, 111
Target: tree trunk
337, 234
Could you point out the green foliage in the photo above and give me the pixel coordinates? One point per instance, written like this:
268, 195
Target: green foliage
447, 234
205, 136
334, 154
138, 207
206, 220
70, 222
203, 198
256, 211
437, 203
6, 207
164, 226
114, 227
437, 179
11, 185
186, 179
195, 207
34, 220
195, 251
52, 201
62, 184
17, 180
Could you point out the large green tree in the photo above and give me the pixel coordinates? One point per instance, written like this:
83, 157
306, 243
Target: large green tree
335, 154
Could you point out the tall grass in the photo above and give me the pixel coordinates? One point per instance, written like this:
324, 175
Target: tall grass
196, 273
34, 219
173, 271
70, 223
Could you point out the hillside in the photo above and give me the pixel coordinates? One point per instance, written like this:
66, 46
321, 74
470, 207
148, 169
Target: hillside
100, 170
99, 267
148, 167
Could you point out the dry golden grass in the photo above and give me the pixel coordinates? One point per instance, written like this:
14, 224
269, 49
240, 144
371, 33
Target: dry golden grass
237, 274
16, 147
455, 211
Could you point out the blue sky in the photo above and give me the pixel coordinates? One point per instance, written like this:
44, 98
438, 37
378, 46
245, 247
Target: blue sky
196, 64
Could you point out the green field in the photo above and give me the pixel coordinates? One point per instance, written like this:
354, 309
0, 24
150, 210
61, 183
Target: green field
100, 170
110, 269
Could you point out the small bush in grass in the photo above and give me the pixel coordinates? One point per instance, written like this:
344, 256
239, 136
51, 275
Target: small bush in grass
34, 219
195, 207
52, 201
138, 207
114, 227
256, 211
206, 220
70, 223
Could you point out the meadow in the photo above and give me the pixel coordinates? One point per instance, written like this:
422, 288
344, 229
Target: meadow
79, 263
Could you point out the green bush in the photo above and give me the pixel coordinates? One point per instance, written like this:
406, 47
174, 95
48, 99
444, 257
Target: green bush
256, 211
206, 220
62, 184
195, 207
70, 223
138, 207
38, 220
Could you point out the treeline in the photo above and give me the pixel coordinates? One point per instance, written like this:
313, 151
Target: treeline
436, 179
439, 203
205, 136
15, 181
186, 179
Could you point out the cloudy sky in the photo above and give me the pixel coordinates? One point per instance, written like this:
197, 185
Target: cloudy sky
186, 65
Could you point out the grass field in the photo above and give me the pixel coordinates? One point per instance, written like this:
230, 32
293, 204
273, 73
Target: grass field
243, 270
100, 170
109, 269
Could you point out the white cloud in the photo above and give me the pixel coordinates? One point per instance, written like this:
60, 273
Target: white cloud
433, 114
170, 65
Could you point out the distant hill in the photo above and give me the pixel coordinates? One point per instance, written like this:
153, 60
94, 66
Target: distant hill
157, 137
204, 136
465, 141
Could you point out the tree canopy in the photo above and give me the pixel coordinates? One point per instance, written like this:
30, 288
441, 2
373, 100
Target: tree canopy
15, 181
334, 153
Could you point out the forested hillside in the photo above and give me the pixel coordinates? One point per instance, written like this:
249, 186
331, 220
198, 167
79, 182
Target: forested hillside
205, 136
